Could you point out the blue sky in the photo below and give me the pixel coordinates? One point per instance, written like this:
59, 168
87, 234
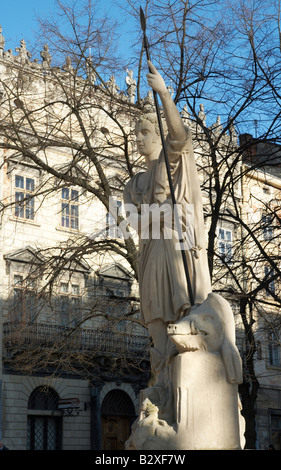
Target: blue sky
18, 19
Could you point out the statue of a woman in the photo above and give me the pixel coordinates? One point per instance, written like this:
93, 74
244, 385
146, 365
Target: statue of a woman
163, 288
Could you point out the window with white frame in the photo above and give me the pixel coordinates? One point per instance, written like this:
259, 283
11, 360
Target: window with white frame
225, 244
70, 208
24, 197
69, 304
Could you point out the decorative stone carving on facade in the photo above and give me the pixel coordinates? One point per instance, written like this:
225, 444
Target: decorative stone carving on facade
8, 54
112, 85
202, 114
67, 67
232, 131
131, 84
23, 59
23, 54
90, 71
170, 89
46, 57
217, 127
185, 114
148, 102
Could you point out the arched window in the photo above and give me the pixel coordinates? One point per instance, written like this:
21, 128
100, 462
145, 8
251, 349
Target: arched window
117, 402
44, 422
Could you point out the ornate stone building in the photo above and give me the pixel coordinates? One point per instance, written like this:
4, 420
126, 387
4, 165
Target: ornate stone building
74, 357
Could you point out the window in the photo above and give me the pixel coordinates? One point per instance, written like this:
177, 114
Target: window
273, 350
70, 208
24, 197
267, 227
111, 222
268, 273
70, 304
225, 245
24, 304
275, 428
266, 190
44, 432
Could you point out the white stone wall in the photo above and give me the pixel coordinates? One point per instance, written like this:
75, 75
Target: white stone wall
16, 392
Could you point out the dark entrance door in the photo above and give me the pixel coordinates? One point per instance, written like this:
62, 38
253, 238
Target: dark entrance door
115, 432
117, 416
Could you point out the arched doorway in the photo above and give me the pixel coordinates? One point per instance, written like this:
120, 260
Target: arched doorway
44, 422
117, 416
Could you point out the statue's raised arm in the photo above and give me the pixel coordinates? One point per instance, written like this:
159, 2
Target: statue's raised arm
172, 115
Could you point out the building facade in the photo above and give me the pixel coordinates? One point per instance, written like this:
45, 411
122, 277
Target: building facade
261, 213
73, 356
81, 389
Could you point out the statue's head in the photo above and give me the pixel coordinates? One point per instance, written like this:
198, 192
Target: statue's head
148, 135
152, 118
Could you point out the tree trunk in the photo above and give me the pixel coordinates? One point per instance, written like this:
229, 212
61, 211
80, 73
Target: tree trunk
248, 393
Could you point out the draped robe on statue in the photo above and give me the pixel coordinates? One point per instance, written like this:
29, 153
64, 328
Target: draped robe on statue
162, 280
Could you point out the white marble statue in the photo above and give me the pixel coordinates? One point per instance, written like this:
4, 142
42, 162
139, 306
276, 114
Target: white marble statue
163, 288
164, 294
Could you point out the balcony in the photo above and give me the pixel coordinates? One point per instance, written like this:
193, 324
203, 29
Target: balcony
20, 335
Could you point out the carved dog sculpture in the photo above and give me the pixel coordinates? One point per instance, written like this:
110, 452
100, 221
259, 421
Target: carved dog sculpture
206, 376
210, 327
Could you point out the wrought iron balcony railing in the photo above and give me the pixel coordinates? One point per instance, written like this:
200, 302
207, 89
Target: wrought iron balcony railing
23, 335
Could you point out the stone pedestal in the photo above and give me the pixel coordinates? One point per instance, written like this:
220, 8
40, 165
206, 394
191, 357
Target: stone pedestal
200, 386
206, 404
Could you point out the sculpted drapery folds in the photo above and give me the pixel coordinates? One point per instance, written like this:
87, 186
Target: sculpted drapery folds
163, 287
